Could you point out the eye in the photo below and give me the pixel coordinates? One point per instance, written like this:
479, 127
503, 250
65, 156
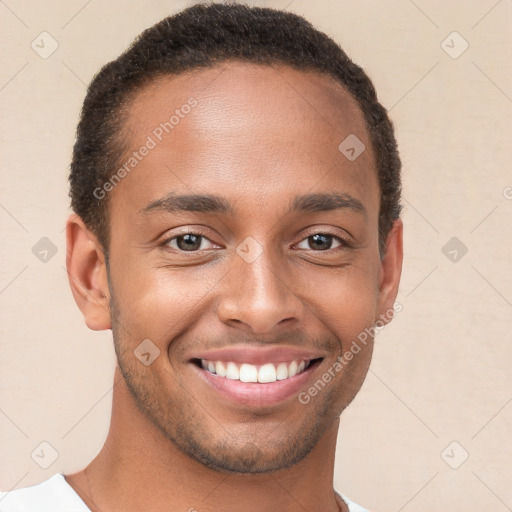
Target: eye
188, 242
323, 242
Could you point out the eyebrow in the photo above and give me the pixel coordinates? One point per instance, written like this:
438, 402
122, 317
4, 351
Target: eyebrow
202, 203
206, 203
327, 202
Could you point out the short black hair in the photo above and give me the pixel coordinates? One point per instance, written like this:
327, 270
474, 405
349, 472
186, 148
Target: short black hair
203, 36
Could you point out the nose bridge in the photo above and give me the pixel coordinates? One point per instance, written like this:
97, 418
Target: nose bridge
258, 293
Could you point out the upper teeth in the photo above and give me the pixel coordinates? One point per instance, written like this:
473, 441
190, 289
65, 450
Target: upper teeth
250, 373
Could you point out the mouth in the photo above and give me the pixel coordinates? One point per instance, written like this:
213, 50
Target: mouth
262, 374
256, 386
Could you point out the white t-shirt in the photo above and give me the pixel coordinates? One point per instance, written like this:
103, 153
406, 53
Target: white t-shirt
56, 495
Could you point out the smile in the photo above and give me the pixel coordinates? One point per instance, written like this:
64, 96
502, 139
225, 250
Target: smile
263, 374
256, 385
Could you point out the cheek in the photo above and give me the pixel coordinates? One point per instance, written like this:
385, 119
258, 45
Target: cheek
349, 311
345, 301
159, 303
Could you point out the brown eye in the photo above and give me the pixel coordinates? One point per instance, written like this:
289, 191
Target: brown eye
322, 242
188, 242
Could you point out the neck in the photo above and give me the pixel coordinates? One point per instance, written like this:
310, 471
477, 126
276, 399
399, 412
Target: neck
138, 468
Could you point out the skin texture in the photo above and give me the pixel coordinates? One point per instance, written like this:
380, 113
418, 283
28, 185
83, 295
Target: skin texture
258, 136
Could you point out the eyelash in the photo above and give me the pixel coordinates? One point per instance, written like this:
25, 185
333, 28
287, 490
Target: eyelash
344, 243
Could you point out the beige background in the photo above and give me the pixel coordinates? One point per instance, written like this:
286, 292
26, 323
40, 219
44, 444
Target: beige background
442, 369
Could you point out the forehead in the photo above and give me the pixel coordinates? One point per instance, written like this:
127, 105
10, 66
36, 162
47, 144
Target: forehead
266, 92
251, 128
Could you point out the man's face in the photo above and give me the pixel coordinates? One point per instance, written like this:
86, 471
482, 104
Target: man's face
257, 282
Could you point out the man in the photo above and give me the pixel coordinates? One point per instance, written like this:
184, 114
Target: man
236, 192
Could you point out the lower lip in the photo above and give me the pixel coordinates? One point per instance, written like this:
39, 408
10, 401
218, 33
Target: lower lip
255, 394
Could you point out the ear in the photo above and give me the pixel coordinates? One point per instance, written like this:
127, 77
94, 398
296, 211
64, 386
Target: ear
390, 272
87, 273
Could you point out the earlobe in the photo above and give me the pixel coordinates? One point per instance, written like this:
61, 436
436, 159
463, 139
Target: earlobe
87, 273
390, 272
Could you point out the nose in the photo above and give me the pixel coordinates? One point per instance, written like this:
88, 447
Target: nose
259, 297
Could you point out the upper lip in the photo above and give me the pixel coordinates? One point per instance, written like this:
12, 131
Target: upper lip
258, 356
